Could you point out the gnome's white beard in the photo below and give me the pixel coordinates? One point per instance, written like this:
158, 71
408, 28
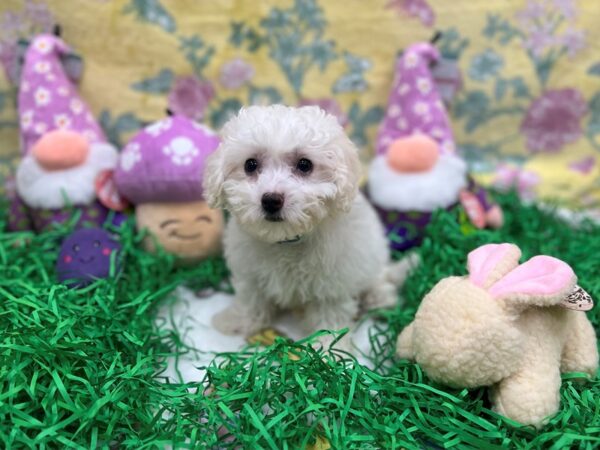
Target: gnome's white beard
422, 191
53, 189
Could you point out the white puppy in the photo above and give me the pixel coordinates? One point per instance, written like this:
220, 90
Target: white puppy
301, 236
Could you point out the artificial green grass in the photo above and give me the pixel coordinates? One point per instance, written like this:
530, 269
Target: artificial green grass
81, 369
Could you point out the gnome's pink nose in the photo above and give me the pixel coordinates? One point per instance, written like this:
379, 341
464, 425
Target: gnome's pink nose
416, 153
60, 149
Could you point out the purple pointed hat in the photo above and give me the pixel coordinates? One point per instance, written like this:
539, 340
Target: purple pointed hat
164, 162
415, 105
48, 100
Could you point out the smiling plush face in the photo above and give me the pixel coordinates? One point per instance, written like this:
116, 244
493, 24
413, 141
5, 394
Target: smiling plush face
85, 256
189, 230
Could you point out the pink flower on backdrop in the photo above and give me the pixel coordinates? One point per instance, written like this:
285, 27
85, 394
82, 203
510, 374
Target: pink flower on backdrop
414, 8
328, 104
235, 73
190, 97
554, 120
513, 177
584, 165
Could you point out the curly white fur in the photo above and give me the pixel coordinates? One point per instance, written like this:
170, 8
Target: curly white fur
53, 189
342, 254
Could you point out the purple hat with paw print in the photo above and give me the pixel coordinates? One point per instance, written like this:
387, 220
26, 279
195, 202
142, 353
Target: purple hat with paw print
415, 105
165, 161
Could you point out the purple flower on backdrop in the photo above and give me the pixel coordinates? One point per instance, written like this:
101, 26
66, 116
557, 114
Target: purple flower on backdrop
414, 8
235, 73
190, 97
554, 120
328, 104
514, 177
583, 166
10, 186
8, 59
39, 14
12, 25
532, 10
573, 41
33, 18
567, 8
538, 41
542, 27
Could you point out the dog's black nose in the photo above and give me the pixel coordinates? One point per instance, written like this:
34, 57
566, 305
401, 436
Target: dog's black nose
272, 203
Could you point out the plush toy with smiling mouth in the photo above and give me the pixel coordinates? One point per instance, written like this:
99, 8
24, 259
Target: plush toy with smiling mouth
87, 255
160, 171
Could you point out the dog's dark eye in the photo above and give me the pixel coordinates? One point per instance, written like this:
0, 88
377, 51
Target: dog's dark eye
251, 165
304, 165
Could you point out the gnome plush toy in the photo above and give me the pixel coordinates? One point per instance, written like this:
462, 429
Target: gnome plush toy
66, 157
160, 171
416, 170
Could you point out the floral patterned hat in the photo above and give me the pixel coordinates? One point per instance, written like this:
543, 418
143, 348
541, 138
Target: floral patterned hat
164, 162
47, 98
415, 105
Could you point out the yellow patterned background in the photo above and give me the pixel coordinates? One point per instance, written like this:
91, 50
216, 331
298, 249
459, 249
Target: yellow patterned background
528, 114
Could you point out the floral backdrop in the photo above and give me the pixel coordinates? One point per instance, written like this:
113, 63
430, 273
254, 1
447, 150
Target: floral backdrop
527, 116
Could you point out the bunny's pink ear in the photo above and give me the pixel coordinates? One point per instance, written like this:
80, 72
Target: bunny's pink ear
541, 281
488, 263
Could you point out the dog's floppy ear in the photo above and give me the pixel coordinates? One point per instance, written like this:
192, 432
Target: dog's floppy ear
347, 173
214, 177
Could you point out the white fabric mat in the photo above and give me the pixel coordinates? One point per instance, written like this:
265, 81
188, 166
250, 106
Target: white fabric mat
191, 316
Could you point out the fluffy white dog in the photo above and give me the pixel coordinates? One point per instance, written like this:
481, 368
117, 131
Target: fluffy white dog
301, 236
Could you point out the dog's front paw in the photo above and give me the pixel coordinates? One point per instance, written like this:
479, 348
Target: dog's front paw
238, 321
325, 342
383, 295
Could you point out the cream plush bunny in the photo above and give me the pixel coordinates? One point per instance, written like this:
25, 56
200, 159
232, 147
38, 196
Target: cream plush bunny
506, 326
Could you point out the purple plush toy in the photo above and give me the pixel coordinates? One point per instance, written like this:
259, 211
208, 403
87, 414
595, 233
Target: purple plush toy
416, 170
66, 160
160, 171
86, 255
